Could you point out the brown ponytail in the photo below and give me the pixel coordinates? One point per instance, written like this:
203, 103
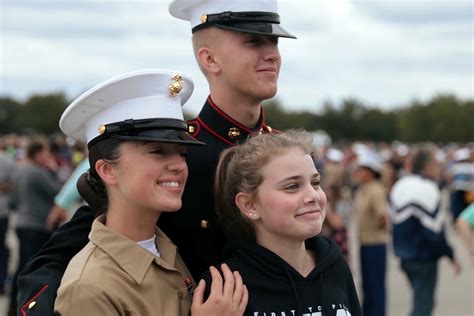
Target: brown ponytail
90, 185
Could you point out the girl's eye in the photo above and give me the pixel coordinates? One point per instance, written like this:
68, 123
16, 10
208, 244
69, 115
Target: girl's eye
316, 183
291, 187
184, 155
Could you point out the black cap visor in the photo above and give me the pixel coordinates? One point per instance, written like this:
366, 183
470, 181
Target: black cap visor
268, 29
159, 130
261, 23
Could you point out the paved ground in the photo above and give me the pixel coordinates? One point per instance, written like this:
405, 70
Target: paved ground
455, 295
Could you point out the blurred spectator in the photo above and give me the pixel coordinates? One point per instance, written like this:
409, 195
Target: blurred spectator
338, 212
32, 197
7, 167
66, 199
460, 178
371, 211
465, 226
333, 170
418, 234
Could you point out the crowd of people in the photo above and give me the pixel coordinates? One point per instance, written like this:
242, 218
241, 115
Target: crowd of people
248, 224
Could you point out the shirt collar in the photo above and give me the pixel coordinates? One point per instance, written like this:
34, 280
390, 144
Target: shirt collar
221, 125
132, 258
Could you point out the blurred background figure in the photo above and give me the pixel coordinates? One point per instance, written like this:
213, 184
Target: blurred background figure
338, 215
460, 179
68, 199
36, 185
371, 210
418, 233
7, 168
465, 227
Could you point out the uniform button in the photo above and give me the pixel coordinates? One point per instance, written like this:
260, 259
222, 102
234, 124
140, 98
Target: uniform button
233, 132
191, 129
31, 305
180, 295
204, 224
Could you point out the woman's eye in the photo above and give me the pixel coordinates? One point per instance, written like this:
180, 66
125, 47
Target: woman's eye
184, 155
316, 183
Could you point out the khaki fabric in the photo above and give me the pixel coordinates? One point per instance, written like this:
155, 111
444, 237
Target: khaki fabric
371, 205
112, 275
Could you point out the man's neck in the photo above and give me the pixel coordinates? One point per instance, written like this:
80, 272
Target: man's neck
246, 112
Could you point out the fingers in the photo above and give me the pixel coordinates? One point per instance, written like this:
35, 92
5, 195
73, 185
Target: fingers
229, 281
198, 295
244, 301
238, 288
216, 285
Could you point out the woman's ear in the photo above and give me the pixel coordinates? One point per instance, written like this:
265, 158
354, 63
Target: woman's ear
208, 61
106, 172
246, 204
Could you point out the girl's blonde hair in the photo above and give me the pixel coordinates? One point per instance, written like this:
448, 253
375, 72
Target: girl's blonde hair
239, 170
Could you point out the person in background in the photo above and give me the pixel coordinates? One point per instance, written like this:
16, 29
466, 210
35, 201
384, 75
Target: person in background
460, 178
7, 169
36, 185
418, 234
371, 210
271, 205
337, 217
465, 227
67, 198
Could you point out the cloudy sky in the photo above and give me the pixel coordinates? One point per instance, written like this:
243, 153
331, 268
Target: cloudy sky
384, 53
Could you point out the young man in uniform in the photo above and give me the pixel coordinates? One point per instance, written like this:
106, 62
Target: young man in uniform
236, 47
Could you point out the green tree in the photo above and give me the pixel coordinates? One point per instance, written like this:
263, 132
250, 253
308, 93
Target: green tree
41, 113
8, 111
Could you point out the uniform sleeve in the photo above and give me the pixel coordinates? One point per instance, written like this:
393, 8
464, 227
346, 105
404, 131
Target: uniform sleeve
47, 267
79, 299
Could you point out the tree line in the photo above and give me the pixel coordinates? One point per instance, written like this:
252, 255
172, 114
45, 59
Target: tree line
444, 118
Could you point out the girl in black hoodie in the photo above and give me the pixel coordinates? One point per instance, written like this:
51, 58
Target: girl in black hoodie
272, 207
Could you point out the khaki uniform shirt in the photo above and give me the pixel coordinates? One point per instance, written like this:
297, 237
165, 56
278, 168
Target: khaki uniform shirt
112, 275
371, 206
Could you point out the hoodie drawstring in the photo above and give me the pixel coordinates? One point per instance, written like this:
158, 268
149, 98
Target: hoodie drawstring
323, 312
295, 293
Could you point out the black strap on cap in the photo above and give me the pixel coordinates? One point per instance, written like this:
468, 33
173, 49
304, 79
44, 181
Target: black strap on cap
229, 18
131, 125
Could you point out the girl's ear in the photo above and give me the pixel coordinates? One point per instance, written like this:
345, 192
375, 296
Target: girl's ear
207, 59
106, 172
246, 204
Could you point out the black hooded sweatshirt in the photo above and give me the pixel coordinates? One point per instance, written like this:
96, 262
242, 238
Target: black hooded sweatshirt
277, 289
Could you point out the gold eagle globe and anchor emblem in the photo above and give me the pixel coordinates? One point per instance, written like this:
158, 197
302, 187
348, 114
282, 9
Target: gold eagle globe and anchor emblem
176, 85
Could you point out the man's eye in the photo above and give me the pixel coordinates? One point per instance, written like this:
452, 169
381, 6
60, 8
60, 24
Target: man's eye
158, 152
